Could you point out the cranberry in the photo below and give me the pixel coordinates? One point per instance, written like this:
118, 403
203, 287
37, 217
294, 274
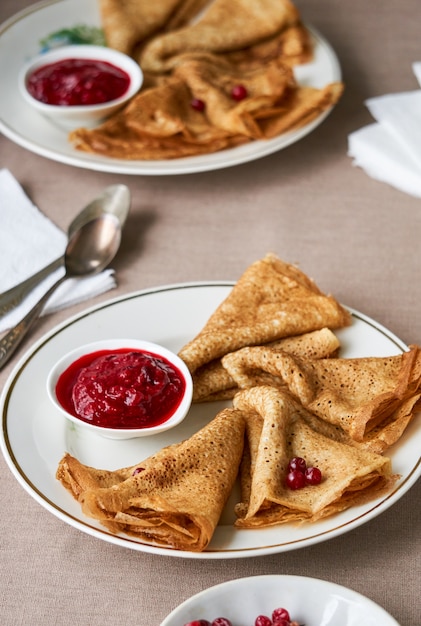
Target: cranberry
281, 622
198, 622
138, 470
263, 620
295, 480
297, 463
239, 92
197, 104
221, 621
313, 476
279, 614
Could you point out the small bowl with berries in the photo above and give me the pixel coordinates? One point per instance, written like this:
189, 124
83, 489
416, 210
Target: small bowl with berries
121, 388
79, 85
278, 600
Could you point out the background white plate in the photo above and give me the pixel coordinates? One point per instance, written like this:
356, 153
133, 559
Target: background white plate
310, 601
20, 40
35, 435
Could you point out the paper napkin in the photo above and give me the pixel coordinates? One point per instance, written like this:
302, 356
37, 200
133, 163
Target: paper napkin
416, 68
28, 242
389, 150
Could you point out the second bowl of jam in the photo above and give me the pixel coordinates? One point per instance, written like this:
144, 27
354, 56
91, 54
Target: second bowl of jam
79, 85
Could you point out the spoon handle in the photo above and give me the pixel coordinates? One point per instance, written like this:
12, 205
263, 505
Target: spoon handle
11, 298
12, 339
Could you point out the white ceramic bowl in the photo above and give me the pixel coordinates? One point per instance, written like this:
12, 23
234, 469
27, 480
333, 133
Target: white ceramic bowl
74, 116
67, 360
310, 601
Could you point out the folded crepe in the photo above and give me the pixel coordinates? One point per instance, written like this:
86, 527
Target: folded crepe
270, 301
276, 432
293, 45
160, 122
223, 27
172, 499
213, 381
371, 399
211, 80
128, 23
302, 106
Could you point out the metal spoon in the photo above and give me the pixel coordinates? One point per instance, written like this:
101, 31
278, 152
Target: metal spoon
114, 200
88, 252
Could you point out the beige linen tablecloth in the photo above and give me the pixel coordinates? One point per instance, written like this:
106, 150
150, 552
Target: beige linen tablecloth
357, 237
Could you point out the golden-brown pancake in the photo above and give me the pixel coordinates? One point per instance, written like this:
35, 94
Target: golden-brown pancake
276, 433
128, 23
212, 381
177, 496
212, 80
159, 123
292, 46
372, 399
302, 106
270, 301
224, 26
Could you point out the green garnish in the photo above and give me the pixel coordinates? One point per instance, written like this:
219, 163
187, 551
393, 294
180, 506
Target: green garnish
80, 34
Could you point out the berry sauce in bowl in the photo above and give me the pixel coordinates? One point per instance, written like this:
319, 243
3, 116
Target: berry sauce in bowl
79, 85
74, 82
122, 388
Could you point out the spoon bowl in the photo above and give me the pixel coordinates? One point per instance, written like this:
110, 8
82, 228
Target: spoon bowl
80, 258
114, 200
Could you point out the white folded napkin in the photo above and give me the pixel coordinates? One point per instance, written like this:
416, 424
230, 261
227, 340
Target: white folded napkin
390, 149
28, 242
416, 68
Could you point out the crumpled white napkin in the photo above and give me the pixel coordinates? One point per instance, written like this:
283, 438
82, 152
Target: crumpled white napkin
28, 242
390, 149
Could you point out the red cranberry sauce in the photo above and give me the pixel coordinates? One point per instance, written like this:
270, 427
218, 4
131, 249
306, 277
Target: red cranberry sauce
73, 82
122, 388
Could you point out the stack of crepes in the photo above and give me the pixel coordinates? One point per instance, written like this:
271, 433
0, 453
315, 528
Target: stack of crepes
270, 347
278, 430
274, 303
197, 51
172, 499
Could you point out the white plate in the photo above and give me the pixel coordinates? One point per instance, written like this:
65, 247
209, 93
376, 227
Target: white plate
310, 601
20, 40
35, 435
